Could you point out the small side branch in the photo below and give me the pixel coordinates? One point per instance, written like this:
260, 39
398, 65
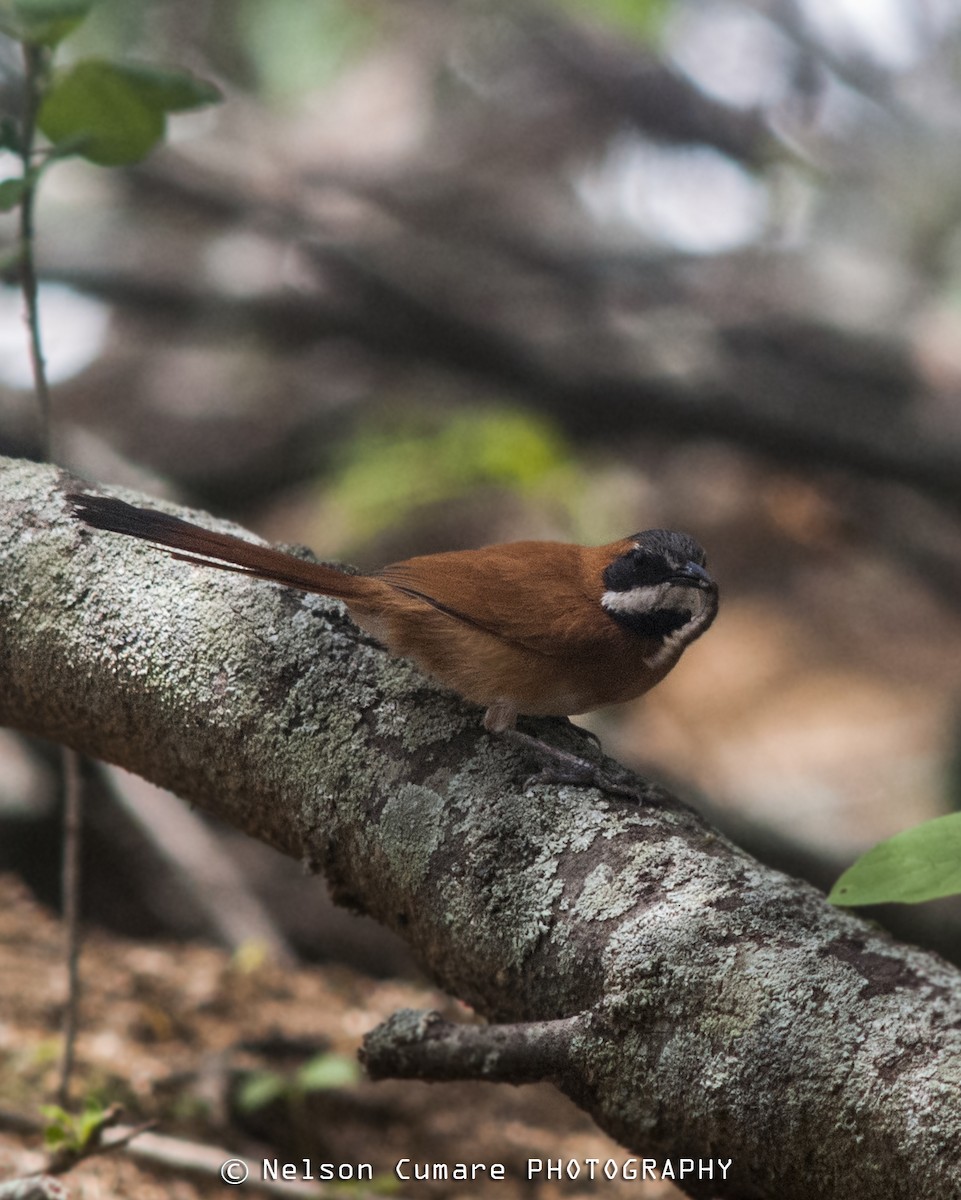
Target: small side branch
67, 1156
422, 1045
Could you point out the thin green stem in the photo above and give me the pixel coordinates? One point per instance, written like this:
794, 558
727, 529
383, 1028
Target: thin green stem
35, 69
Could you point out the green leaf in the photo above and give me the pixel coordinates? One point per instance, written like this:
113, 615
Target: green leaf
54, 1113
9, 135
89, 1123
328, 1071
11, 193
260, 1089
94, 105
42, 22
58, 1127
920, 864
170, 91
115, 113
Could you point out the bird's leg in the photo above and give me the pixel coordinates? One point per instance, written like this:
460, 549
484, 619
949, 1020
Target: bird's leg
567, 723
560, 766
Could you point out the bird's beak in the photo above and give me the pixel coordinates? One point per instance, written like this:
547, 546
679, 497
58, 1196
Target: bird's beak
694, 575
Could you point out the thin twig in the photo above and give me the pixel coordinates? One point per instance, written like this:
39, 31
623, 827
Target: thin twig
36, 64
72, 824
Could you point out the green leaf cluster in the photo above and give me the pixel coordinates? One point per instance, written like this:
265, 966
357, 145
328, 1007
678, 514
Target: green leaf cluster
69, 1131
923, 863
111, 113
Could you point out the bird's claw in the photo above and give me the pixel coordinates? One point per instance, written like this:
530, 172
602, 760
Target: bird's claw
562, 767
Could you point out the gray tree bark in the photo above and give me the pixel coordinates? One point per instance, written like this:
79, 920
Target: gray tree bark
697, 1004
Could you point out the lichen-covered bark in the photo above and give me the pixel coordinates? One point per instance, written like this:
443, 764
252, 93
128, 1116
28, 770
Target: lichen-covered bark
727, 1011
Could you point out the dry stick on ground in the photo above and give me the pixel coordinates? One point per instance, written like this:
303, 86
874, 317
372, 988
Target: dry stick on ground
207, 872
722, 1010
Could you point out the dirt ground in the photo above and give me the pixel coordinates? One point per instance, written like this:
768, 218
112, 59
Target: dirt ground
176, 1033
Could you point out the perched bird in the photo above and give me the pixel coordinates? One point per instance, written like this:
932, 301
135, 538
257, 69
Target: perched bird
532, 628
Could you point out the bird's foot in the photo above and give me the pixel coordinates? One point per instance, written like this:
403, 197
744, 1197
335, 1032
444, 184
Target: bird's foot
560, 766
568, 724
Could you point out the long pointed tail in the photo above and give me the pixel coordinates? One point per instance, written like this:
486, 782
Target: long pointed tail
193, 543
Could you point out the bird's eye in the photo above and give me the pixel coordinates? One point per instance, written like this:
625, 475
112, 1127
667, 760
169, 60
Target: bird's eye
635, 569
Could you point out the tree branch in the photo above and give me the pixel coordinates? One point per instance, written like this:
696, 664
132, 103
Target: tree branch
416, 1045
715, 1007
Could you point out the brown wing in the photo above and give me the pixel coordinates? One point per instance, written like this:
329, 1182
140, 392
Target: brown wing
531, 594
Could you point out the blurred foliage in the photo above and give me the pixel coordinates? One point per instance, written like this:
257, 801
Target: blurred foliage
321, 1073
42, 22
643, 19
275, 48
118, 27
293, 47
250, 956
394, 467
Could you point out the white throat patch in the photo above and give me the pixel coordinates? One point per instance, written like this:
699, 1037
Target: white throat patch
653, 596
647, 598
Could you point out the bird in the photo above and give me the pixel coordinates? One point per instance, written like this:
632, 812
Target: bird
529, 628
